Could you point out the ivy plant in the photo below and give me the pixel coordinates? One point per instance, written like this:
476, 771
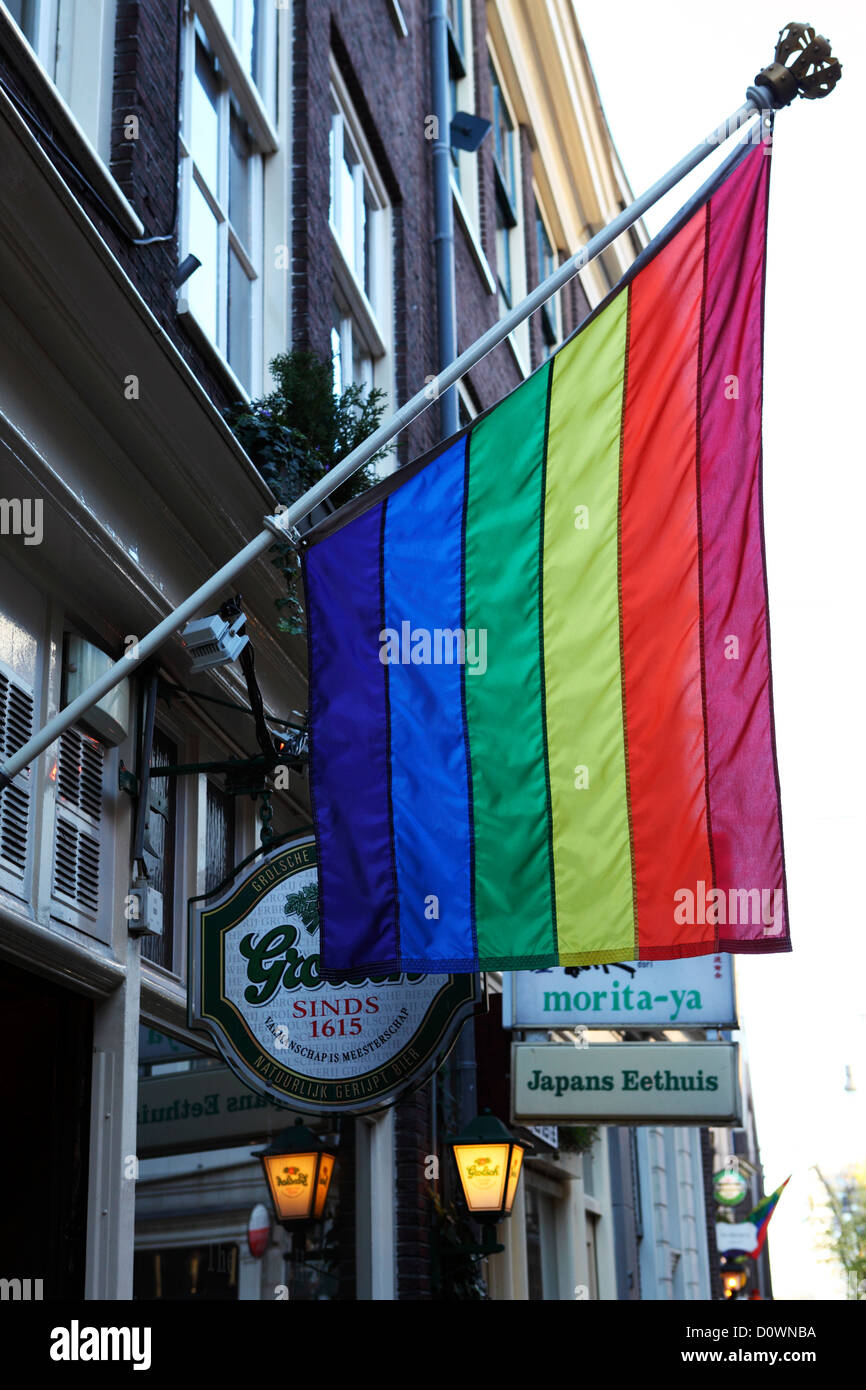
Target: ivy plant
295, 435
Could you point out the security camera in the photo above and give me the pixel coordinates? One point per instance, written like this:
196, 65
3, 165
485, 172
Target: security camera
213, 641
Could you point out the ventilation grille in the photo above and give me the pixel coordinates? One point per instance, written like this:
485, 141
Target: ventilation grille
76, 865
16, 724
78, 773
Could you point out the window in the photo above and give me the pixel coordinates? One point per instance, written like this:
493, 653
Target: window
454, 106
351, 360
509, 259
243, 20
547, 262
541, 1241
503, 141
360, 224
207, 1273
16, 727
592, 1254
37, 20
466, 407
457, 27
534, 1272
457, 68
353, 205
504, 225
589, 1172
75, 45
637, 1196
461, 84
225, 133
219, 837
159, 848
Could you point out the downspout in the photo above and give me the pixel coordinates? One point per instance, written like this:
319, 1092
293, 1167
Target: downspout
443, 214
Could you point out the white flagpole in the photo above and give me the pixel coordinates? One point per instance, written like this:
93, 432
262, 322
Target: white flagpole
282, 525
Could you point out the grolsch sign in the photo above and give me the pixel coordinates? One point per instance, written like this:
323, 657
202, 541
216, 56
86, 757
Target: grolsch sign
305, 1043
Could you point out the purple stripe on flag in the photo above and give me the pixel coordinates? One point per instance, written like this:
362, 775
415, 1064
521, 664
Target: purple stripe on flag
349, 772
743, 784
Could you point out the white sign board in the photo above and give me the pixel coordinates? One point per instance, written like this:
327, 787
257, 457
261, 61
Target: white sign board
693, 993
626, 1083
736, 1235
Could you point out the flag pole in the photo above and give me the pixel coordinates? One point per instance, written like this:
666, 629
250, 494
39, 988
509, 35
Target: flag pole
814, 73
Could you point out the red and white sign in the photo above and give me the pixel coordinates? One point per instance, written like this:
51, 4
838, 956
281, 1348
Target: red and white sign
259, 1230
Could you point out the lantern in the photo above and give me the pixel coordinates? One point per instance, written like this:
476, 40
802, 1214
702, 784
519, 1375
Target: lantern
489, 1161
734, 1282
298, 1167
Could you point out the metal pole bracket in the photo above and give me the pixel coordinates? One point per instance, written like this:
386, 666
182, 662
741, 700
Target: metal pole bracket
290, 533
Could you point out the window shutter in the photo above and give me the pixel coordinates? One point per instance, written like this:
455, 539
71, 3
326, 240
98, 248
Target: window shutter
16, 726
78, 774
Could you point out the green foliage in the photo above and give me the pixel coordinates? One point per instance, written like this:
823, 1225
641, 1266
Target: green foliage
843, 1233
457, 1276
295, 435
577, 1139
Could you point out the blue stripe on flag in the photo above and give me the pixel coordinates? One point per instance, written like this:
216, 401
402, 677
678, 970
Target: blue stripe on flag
423, 564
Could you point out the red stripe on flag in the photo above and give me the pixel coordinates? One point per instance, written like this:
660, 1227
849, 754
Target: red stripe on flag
661, 601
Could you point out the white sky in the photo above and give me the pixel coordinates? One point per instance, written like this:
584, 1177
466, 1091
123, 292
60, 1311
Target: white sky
668, 74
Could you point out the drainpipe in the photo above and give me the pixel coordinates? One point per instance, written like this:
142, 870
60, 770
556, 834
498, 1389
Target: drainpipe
443, 213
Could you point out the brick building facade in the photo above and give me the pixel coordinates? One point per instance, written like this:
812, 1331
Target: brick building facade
286, 148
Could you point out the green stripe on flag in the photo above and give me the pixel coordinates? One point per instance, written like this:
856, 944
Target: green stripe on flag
513, 890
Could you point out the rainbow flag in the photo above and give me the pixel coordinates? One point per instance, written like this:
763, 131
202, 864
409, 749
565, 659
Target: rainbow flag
760, 1217
541, 721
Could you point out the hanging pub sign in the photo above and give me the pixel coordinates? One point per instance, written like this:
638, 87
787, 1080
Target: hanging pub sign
303, 1042
730, 1186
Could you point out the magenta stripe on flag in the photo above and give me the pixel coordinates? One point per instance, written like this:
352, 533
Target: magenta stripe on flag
746, 831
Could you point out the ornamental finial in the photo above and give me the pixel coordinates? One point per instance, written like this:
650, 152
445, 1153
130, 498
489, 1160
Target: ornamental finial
813, 73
